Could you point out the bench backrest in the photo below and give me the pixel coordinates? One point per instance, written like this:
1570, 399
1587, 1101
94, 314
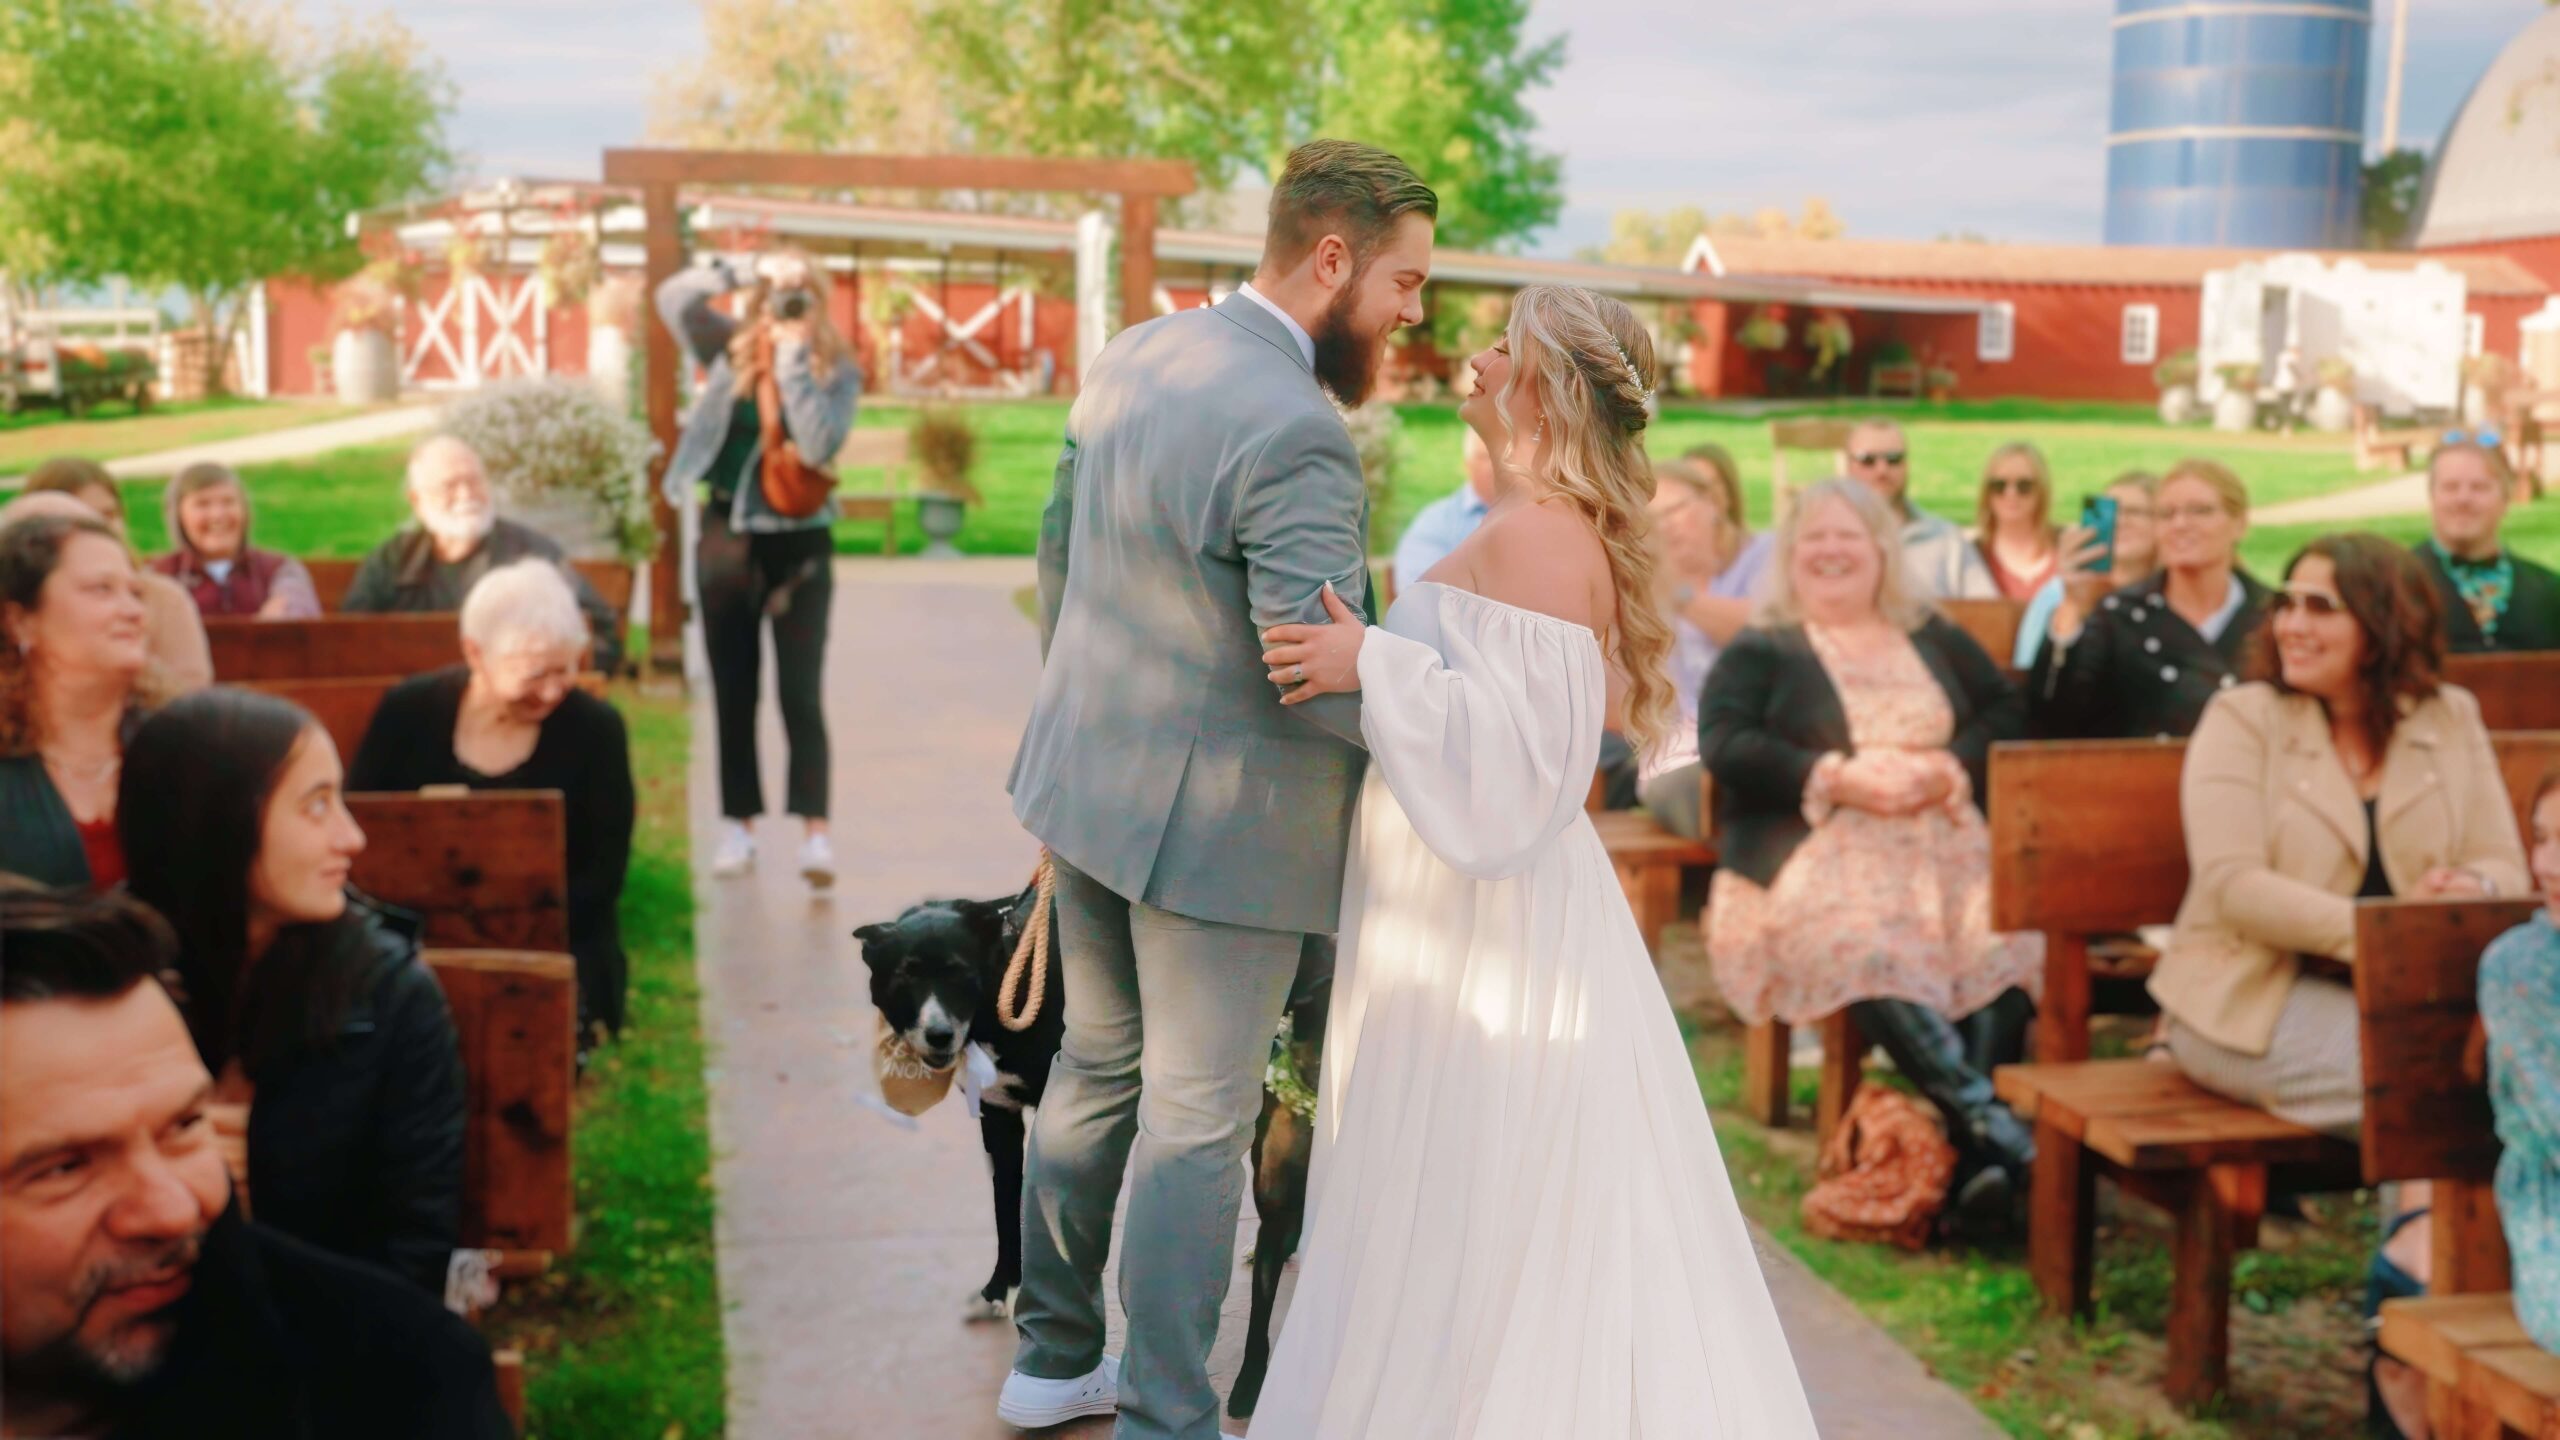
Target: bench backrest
613, 579
2417, 997
487, 869
515, 1019
2085, 834
1993, 624
2516, 692
345, 708
1823, 436
332, 647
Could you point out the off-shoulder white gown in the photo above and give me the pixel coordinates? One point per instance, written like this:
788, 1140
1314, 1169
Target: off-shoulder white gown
1519, 1226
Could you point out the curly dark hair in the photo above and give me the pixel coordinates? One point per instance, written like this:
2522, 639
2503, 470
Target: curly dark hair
2395, 604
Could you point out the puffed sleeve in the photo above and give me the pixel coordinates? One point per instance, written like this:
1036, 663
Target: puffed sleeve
1489, 743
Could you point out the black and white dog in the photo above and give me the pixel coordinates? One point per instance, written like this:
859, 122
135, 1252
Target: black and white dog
934, 975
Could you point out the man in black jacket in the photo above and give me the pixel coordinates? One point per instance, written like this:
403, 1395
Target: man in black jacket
2494, 599
134, 1301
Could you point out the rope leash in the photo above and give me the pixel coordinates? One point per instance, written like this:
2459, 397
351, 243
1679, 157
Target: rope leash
1015, 1009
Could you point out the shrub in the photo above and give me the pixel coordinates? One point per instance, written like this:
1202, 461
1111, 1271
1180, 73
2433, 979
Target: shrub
2179, 369
1374, 430
553, 438
945, 449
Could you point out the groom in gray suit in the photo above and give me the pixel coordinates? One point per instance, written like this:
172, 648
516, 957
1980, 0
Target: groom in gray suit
1207, 491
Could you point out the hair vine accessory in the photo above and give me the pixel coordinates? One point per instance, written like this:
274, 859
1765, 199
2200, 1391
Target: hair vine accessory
1632, 374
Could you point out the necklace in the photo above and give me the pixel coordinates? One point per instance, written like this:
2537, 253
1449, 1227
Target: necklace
83, 774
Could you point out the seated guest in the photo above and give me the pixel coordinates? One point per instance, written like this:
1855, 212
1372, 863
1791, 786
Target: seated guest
137, 1301
207, 510
74, 678
175, 632
2520, 1011
1941, 560
2494, 599
309, 1003
2013, 521
1713, 563
2145, 660
1436, 529
2345, 769
511, 717
454, 537
1848, 732
2135, 556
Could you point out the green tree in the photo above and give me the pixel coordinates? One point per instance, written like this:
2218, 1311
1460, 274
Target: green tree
1645, 237
179, 144
2393, 186
806, 75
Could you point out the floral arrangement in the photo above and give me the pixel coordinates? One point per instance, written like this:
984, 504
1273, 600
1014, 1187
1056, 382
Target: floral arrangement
1765, 330
553, 437
570, 266
372, 298
2239, 375
1828, 335
2178, 369
945, 449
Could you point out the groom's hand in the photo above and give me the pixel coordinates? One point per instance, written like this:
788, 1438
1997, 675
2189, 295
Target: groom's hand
1311, 660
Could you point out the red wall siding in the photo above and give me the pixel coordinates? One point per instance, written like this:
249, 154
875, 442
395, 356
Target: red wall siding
297, 321
2539, 254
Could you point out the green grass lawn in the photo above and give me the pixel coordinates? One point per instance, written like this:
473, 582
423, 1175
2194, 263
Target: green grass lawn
114, 432
623, 1338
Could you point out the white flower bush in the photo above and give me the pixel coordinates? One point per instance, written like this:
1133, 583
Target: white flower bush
552, 439
1374, 430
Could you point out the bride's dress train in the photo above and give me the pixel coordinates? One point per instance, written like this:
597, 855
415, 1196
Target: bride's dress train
1519, 1224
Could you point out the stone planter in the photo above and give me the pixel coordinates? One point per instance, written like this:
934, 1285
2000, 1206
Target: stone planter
2333, 411
2236, 410
940, 516
578, 522
2179, 405
365, 367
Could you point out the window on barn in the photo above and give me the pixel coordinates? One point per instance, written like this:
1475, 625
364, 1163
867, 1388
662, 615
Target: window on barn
1996, 332
2141, 334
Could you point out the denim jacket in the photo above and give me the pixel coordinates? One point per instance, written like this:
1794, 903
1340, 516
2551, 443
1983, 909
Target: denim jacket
816, 413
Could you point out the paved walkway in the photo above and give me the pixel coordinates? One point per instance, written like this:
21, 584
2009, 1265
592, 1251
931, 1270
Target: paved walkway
371, 428
849, 1244
2406, 495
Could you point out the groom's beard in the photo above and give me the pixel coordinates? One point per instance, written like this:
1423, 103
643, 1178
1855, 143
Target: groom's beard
1346, 360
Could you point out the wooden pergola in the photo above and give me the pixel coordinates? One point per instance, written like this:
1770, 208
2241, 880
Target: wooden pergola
659, 174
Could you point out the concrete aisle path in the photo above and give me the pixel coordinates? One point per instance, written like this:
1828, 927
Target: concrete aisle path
2406, 495
848, 1244
371, 428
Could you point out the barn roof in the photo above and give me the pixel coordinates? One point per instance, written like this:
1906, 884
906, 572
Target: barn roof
2497, 173
1975, 263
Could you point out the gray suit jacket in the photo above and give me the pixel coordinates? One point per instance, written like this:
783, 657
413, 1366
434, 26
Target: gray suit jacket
1207, 490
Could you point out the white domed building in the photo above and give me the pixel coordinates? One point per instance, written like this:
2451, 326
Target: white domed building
2494, 186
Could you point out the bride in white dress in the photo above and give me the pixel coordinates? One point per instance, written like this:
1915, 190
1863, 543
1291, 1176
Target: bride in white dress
1519, 1227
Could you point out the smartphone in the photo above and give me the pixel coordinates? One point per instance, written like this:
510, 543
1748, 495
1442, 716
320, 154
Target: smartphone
2098, 513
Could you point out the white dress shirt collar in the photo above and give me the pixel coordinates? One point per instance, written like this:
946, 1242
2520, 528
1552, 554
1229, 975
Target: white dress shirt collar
1306, 342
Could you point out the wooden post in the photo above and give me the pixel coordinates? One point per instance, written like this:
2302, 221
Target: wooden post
1764, 1072
1137, 259
2062, 1208
2199, 1293
1844, 1068
2469, 1242
2062, 1029
666, 576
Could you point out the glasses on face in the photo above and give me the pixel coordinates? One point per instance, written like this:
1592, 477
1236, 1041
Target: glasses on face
2198, 514
2309, 602
1878, 457
2485, 438
2012, 485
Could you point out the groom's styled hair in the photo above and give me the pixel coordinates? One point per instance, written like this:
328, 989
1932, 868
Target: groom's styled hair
1341, 187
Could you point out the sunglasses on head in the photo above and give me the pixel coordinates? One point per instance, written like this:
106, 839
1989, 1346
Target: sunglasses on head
2012, 485
1879, 457
2284, 601
2485, 438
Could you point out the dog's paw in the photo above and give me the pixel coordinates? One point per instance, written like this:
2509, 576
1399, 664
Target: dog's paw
982, 1311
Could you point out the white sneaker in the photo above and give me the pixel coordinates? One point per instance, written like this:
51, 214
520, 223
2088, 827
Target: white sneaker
818, 860
736, 854
1033, 1404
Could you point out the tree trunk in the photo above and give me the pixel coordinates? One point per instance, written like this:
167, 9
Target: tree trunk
220, 331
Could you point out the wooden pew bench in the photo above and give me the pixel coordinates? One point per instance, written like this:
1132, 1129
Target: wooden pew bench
2516, 692
1650, 859
2426, 1119
332, 647
615, 580
345, 707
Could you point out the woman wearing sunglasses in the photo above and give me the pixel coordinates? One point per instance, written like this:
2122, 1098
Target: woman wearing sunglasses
2344, 770
2013, 521
2146, 659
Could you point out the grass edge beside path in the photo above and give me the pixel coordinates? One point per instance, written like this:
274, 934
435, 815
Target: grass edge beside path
623, 1340
114, 432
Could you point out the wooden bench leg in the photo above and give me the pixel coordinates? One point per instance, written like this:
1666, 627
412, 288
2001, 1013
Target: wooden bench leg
2061, 1221
2199, 1293
510, 1371
1765, 1049
1653, 893
1844, 1057
2062, 1021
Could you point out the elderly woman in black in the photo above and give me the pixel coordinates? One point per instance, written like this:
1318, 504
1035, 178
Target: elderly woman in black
1847, 732
511, 717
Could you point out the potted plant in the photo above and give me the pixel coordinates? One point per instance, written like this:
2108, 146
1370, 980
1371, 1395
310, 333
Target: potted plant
1940, 380
1765, 333
2176, 377
944, 449
2236, 408
2333, 407
364, 353
564, 460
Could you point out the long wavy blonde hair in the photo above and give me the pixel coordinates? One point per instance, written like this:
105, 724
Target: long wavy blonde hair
1591, 367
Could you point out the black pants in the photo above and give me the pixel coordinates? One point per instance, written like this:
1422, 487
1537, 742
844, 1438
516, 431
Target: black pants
744, 580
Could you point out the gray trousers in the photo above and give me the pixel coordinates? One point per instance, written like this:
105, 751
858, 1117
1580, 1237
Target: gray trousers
2312, 1073
1169, 1026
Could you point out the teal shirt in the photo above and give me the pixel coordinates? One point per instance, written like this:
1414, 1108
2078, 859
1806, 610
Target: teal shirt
2520, 1009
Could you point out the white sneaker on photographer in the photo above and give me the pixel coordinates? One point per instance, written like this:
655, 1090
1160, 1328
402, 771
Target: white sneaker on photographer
1030, 1403
818, 860
736, 853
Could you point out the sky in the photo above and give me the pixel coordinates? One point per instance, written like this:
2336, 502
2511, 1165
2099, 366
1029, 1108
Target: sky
1912, 120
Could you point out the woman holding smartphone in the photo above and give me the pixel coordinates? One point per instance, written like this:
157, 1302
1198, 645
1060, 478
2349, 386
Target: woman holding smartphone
765, 553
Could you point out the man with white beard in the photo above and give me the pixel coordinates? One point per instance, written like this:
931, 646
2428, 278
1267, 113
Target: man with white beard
454, 537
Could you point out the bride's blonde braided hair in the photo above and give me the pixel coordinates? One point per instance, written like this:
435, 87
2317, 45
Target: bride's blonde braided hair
1594, 369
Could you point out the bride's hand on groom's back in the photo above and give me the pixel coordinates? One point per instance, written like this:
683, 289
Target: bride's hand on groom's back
1311, 660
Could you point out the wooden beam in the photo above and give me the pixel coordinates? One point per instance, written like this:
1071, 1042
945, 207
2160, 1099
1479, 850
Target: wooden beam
644, 167
666, 576
1137, 259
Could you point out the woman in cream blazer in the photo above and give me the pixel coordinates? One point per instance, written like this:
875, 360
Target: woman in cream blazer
2297, 804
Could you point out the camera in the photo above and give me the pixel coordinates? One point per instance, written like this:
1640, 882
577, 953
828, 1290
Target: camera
792, 304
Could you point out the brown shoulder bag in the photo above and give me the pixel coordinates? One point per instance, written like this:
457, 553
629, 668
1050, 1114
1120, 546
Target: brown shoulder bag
792, 486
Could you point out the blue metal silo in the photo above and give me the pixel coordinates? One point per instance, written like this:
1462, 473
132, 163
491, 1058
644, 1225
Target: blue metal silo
2237, 122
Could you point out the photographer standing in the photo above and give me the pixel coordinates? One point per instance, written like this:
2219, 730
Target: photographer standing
776, 400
